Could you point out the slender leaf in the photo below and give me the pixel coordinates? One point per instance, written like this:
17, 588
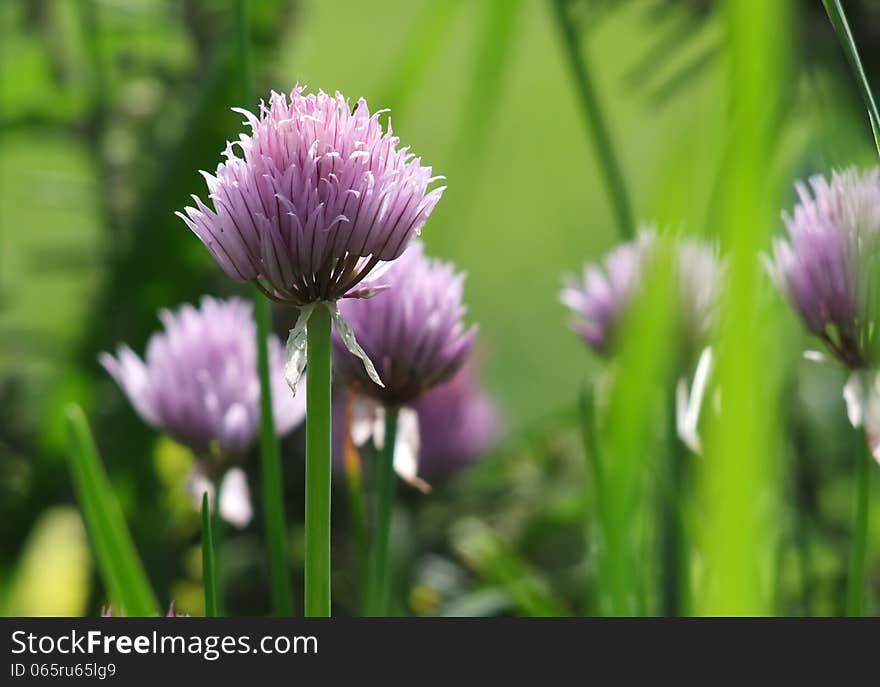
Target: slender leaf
118, 562
841, 27
209, 565
739, 521
597, 124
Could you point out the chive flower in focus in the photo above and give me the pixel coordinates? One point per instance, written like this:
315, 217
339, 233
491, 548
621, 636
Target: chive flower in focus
319, 195
198, 383
306, 207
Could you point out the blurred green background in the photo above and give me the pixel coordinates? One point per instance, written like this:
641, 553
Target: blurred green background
109, 108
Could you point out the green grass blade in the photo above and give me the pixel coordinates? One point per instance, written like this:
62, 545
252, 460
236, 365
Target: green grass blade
209, 565
118, 562
627, 424
738, 487
597, 124
841, 27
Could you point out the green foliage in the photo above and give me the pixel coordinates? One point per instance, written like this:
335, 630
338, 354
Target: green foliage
121, 569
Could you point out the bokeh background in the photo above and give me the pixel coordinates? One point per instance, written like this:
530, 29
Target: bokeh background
107, 110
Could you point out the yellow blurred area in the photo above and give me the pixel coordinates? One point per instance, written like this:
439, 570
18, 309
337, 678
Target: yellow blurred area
55, 567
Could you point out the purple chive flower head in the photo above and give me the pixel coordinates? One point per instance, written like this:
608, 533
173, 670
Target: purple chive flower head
313, 199
600, 297
198, 381
827, 265
458, 422
413, 331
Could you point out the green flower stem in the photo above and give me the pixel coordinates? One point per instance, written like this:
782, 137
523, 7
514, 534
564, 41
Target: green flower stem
597, 125
356, 509
209, 568
379, 586
270, 467
218, 530
318, 432
858, 556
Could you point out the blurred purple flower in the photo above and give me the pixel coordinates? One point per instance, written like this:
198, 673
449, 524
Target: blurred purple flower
827, 266
600, 298
199, 383
458, 422
319, 197
413, 331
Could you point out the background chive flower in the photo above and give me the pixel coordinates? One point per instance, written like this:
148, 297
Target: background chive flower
198, 383
458, 422
827, 265
198, 380
319, 196
600, 297
413, 331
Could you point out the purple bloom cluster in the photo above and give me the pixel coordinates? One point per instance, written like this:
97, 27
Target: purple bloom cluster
600, 297
320, 196
198, 381
827, 266
458, 422
413, 331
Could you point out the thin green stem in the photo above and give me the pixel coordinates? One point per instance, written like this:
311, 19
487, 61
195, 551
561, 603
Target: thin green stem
841, 27
270, 466
356, 509
209, 566
358, 527
379, 586
218, 531
318, 431
596, 121
858, 556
